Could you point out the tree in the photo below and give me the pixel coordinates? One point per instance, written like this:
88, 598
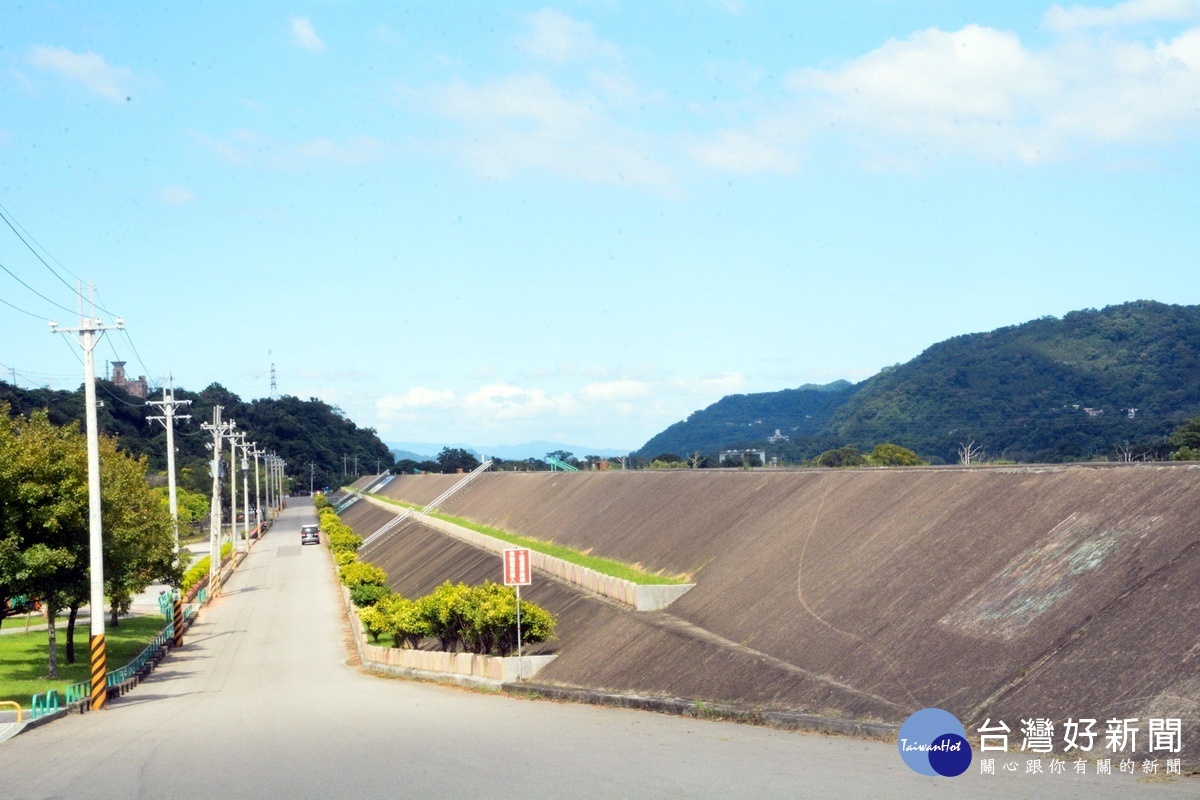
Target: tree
841, 457
893, 455
453, 459
139, 540
43, 513
968, 452
193, 506
1184, 441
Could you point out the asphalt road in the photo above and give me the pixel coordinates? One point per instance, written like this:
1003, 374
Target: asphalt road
260, 703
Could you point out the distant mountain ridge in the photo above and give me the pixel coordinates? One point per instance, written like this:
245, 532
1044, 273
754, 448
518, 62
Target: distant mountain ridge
1090, 384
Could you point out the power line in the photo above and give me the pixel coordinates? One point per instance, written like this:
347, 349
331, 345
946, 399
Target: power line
23, 311
9, 220
35, 291
129, 338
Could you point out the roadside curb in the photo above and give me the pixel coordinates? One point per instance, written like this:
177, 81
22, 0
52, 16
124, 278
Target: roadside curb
703, 710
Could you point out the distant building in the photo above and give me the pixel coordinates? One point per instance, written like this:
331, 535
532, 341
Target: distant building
742, 456
136, 388
777, 437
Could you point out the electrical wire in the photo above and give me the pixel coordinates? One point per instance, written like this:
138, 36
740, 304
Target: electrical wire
70, 347
147, 370
121, 400
23, 311
9, 220
35, 291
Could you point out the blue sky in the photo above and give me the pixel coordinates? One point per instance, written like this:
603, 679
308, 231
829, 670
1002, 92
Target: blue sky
496, 222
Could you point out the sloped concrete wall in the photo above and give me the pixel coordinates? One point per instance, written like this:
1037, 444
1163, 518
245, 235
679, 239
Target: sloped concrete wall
1011, 593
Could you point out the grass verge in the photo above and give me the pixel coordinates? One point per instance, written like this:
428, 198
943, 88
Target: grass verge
606, 566
23, 656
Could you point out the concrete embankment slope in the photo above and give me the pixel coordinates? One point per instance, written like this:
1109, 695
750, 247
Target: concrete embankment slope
1015, 593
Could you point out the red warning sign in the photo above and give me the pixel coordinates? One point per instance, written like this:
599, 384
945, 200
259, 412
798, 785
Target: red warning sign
516, 567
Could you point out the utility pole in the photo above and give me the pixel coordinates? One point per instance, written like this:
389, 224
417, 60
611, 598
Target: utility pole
245, 546
90, 330
312, 473
169, 404
273, 387
269, 463
234, 441
343, 465
218, 429
280, 476
257, 490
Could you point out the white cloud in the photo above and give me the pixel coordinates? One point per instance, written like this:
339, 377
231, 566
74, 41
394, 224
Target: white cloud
87, 68
601, 411
354, 152
559, 38
982, 93
609, 391
746, 152
526, 122
1134, 12
176, 195
305, 36
417, 397
248, 147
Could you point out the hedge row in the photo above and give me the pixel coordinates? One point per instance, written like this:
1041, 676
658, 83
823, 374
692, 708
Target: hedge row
341, 538
477, 619
197, 571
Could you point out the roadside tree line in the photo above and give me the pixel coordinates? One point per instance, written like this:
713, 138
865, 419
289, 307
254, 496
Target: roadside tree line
44, 524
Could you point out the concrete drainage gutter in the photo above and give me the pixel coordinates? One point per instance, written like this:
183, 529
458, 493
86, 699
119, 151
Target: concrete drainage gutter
703, 710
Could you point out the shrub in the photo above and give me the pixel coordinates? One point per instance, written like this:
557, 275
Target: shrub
481, 619
374, 621
359, 573
444, 612
344, 557
343, 541
320, 502
195, 574
492, 620
408, 627
366, 595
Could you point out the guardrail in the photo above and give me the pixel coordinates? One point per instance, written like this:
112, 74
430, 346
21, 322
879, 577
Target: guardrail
43, 704
77, 692
14, 704
389, 526
344, 504
470, 476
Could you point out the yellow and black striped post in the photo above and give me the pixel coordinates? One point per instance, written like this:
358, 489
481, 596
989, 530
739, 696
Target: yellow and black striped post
178, 641
99, 672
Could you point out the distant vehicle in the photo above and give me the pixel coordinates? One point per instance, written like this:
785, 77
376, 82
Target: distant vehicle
310, 534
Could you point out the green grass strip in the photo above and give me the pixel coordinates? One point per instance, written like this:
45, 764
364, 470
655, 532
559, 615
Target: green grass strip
606, 566
23, 656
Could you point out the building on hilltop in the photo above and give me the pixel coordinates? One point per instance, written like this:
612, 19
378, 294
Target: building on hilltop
137, 388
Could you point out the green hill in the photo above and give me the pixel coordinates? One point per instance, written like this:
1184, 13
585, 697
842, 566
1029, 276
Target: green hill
1093, 384
299, 431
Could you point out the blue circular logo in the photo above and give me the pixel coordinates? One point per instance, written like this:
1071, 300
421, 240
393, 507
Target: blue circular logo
933, 742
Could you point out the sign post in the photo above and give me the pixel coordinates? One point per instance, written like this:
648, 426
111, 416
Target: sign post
517, 573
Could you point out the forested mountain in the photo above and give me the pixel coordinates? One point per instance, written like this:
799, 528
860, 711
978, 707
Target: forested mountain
299, 431
1090, 385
